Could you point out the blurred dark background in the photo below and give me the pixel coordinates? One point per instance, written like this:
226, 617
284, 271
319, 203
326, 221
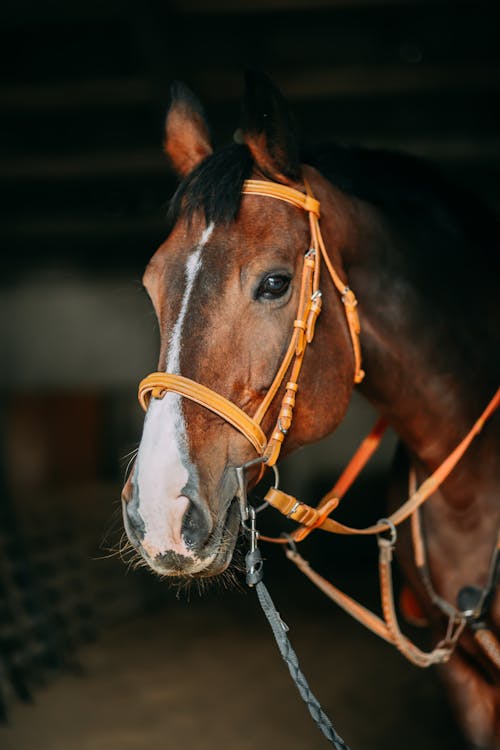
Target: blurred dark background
84, 189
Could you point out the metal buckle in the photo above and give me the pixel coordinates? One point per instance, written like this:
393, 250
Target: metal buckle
282, 429
290, 542
295, 507
344, 292
391, 541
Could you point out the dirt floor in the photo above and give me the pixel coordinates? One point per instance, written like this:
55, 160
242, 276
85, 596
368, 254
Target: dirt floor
205, 674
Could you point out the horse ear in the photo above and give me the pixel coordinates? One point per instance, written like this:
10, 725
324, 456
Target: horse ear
268, 129
187, 139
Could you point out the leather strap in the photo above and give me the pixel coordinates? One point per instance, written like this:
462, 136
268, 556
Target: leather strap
416, 499
310, 204
489, 644
346, 295
283, 193
308, 311
387, 628
311, 518
349, 605
351, 472
442, 652
158, 383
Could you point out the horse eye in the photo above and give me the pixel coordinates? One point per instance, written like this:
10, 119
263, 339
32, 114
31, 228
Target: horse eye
273, 286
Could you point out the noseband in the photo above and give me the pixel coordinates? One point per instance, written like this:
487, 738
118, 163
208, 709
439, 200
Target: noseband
309, 307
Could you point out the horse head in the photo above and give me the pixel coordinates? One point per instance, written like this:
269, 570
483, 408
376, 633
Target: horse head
225, 286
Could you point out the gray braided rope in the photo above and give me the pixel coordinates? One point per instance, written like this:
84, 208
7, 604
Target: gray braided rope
292, 662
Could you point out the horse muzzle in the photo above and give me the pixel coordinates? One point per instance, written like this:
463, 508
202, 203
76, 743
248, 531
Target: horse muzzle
183, 535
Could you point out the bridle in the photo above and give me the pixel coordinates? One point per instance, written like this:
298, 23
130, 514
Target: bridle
309, 307
157, 384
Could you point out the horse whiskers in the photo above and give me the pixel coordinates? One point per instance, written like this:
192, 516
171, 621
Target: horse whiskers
228, 579
131, 558
137, 562
128, 554
112, 553
114, 526
132, 453
132, 458
183, 584
123, 547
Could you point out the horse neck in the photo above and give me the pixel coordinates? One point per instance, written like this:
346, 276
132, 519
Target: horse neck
416, 373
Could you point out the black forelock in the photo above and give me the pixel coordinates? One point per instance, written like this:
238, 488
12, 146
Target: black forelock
214, 187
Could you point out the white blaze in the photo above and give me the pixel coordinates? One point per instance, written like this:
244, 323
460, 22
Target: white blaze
161, 473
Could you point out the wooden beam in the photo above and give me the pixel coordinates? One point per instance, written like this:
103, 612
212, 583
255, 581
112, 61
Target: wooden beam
307, 83
270, 6
58, 11
326, 82
146, 232
85, 166
148, 162
82, 229
104, 93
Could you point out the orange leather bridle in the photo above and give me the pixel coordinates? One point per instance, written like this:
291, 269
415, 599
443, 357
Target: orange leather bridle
309, 307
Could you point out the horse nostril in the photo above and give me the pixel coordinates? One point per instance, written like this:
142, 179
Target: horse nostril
196, 527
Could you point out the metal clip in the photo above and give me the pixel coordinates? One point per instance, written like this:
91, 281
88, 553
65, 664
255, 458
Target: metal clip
254, 534
241, 492
253, 559
242, 487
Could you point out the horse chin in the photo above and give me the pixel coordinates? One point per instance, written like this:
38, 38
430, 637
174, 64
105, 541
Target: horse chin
224, 541
216, 557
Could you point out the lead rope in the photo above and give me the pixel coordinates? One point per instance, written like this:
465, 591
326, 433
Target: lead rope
255, 573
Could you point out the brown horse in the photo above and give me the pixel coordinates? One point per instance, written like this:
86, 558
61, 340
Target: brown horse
420, 256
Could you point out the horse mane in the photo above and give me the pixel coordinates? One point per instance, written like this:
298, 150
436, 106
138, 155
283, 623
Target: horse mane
400, 183
397, 183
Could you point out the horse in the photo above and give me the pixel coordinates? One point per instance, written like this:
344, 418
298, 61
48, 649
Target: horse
420, 255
